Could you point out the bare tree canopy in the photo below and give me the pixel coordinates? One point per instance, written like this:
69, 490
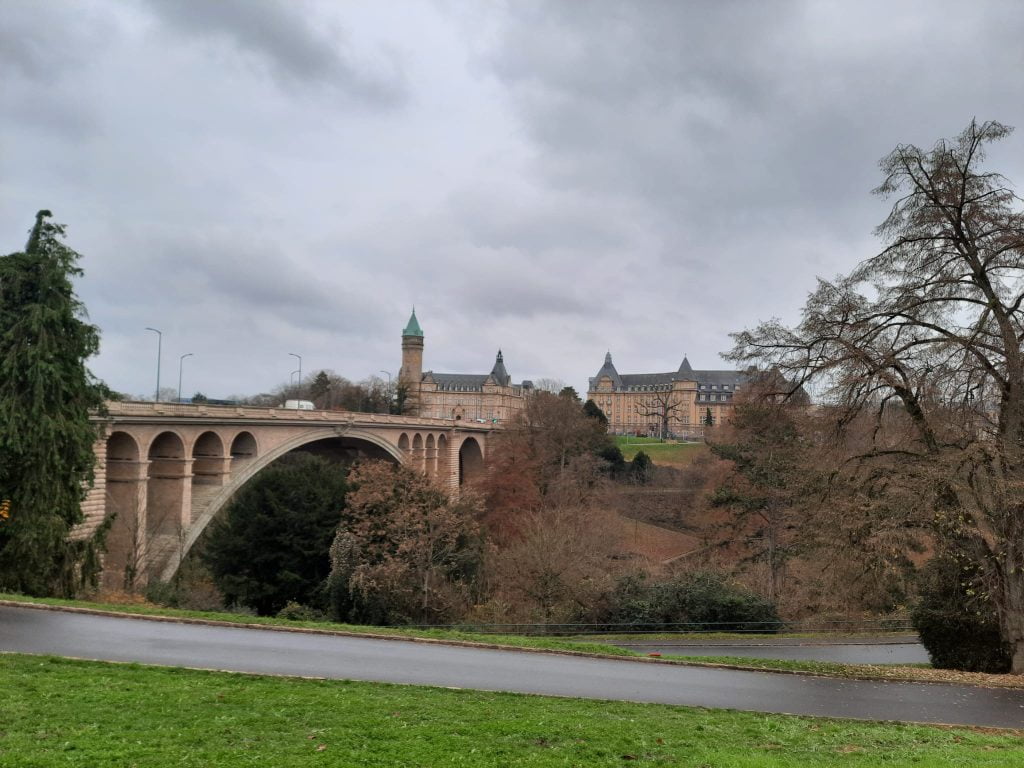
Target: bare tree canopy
661, 406
924, 340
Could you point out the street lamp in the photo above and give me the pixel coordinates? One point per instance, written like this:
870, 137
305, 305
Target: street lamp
181, 361
159, 344
300, 369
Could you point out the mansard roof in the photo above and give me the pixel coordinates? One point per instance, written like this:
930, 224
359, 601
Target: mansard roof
631, 381
474, 382
608, 369
458, 382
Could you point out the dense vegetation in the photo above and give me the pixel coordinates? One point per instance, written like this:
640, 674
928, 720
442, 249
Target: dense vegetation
956, 621
271, 545
46, 438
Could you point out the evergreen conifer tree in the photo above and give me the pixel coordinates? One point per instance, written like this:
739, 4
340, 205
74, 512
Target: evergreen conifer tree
46, 438
593, 411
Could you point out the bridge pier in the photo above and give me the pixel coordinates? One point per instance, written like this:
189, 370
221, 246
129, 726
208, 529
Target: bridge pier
125, 556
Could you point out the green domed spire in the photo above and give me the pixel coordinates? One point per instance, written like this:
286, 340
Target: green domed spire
412, 328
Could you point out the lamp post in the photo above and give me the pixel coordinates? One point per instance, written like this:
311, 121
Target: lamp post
300, 370
159, 344
388, 374
181, 361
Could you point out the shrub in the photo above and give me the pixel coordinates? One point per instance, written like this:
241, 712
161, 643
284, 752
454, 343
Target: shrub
641, 468
702, 601
163, 593
956, 624
612, 454
298, 612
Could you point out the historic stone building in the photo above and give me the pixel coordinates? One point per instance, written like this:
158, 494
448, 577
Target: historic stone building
636, 403
488, 397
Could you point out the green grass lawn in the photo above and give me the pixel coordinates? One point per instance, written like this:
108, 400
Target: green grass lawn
674, 454
58, 712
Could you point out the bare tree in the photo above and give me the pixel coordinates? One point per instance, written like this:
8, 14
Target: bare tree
923, 341
768, 458
554, 386
559, 566
661, 405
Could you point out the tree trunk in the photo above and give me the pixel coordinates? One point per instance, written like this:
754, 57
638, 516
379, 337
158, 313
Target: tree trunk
1011, 613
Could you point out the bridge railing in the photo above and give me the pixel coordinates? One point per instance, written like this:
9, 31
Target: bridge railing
138, 409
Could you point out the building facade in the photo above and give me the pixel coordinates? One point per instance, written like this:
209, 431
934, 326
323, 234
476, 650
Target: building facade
679, 403
488, 398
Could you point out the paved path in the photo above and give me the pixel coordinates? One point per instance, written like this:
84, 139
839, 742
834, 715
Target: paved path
28, 630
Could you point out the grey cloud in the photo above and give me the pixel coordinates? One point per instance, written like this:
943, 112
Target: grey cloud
284, 37
260, 279
703, 106
41, 41
570, 177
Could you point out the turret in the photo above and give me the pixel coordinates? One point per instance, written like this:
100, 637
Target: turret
498, 372
607, 371
411, 372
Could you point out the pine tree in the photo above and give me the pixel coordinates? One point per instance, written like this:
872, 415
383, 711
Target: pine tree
46, 438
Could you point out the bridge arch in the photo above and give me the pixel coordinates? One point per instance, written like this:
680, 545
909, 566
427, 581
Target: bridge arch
430, 456
244, 446
209, 462
252, 466
442, 456
417, 452
471, 460
168, 479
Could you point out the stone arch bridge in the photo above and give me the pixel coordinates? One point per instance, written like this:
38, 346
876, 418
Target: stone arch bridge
165, 470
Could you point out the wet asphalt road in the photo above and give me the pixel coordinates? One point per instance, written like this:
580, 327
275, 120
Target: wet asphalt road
26, 630
843, 653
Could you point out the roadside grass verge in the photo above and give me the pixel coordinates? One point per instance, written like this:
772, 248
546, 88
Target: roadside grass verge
514, 641
910, 673
60, 712
703, 638
914, 673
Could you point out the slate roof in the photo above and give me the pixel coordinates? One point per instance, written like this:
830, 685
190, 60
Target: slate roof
498, 372
458, 382
608, 369
705, 379
473, 382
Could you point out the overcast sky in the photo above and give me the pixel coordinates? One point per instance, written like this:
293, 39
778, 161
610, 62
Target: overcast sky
557, 179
